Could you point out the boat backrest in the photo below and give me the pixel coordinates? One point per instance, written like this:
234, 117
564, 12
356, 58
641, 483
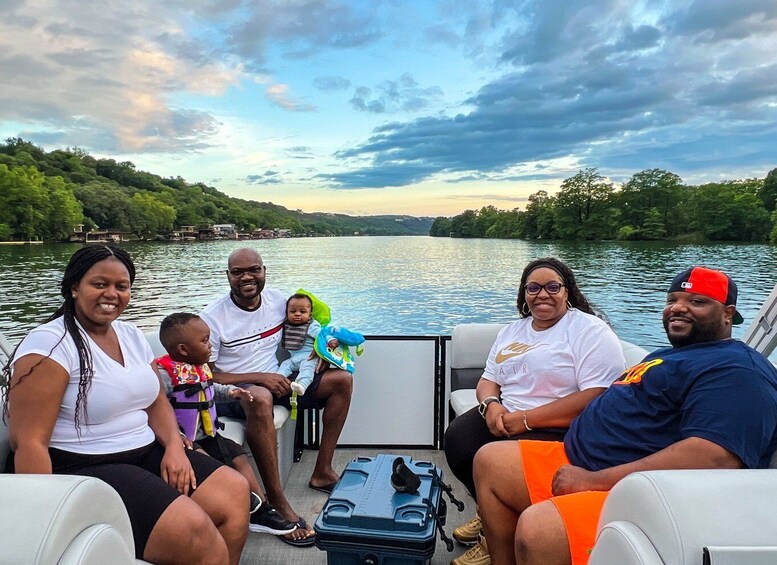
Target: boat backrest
5, 350
761, 335
470, 346
5, 447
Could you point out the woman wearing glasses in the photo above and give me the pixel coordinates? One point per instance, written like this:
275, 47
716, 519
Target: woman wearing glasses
543, 369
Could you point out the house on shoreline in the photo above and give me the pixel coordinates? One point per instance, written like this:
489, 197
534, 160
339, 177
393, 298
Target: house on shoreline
183, 233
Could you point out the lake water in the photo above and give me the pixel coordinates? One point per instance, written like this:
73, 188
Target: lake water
396, 285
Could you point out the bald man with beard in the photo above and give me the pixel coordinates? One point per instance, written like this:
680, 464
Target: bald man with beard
246, 328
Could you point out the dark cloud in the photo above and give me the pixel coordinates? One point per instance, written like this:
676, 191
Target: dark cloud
300, 152
443, 33
21, 20
380, 176
21, 67
302, 29
331, 83
711, 21
738, 147
267, 177
83, 58
594, 82
392, 96
743, 88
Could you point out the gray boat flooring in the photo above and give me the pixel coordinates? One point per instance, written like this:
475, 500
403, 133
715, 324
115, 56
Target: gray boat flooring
262, 548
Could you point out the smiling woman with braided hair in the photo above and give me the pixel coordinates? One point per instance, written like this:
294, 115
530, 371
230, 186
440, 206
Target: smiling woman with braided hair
84, 399
541, 372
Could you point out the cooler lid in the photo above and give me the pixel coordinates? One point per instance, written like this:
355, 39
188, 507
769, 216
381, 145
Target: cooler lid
365, 503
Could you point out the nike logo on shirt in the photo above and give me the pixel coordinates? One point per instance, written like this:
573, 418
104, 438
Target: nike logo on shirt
513, 350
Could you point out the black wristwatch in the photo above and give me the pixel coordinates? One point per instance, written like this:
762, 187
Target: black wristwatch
483, 406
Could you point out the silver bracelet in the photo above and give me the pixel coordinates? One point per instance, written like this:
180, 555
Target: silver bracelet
525, 423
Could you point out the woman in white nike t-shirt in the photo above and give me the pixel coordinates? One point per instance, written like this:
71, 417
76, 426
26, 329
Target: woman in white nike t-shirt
84, 399
542, 370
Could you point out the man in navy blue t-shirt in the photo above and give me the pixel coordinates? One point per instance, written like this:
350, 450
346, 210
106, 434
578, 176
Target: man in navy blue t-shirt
708, 402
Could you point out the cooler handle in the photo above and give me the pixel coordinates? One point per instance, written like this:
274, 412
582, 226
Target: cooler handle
433, 513
448, 490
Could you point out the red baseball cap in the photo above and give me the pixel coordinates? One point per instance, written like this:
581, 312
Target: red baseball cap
708, 282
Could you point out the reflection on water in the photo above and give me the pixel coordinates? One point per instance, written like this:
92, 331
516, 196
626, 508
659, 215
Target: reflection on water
396, 285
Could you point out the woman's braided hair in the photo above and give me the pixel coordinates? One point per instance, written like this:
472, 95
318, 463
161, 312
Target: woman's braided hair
575, 296
80, 262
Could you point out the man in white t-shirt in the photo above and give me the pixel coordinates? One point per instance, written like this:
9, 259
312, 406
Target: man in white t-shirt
246, 327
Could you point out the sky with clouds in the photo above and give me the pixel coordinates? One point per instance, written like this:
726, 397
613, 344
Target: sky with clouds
397, 106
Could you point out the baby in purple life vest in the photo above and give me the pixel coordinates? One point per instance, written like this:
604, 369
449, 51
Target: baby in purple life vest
189, 384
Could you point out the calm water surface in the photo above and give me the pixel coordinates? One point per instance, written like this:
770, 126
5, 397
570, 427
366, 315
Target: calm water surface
395, 285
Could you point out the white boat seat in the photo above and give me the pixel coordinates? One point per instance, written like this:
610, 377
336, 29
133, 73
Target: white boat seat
660, 517
470, 346
73, 521
462, 400
761, 335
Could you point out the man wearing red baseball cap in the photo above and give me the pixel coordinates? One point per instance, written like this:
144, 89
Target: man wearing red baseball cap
707, 402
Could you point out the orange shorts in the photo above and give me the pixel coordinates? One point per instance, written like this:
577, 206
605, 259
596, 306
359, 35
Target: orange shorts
579, 511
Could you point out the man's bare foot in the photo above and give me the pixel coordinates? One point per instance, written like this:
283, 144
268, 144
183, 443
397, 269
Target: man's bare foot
323, 480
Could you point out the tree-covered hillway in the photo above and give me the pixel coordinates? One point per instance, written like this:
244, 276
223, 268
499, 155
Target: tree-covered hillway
45, 195
653, 204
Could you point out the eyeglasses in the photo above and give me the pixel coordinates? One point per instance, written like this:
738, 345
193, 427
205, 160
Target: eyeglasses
552, 287
253, 271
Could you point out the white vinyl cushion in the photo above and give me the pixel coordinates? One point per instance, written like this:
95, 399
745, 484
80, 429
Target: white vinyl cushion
471, 344
681, 512
633, 353
463, 400
43, 515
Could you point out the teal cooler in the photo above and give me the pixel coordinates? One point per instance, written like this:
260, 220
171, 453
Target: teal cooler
366, 522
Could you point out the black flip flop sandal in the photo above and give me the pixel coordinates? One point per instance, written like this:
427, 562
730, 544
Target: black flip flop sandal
301, 542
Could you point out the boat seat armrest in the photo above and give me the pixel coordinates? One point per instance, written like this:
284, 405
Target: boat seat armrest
625, 544
63, 515
681, 512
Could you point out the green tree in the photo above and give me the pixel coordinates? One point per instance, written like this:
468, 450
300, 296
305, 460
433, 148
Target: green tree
730, 210
23, 201
584, 207
441, 227
768, 191
151, 214
539, 218
464, 225
15, 145
647, 190
107, 205
508, 225
653, 226
64, 211
486, 218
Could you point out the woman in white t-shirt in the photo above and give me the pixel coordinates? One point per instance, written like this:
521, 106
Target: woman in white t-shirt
541, 372
84, 399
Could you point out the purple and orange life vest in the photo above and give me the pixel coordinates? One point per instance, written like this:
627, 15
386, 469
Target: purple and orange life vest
191, 396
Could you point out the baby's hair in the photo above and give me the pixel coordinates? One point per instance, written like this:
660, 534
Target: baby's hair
299, 296
171, 327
